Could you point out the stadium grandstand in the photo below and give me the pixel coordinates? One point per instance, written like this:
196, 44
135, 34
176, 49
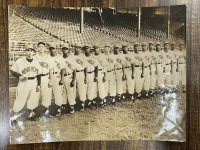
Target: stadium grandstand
99, 26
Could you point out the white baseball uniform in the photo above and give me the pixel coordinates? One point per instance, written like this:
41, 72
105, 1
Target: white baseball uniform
111, 86
102, 70
80, 76
46, 63
139, 81
58, 90
91, 85
26, 89
130, 82
160, 67
147, 63
182, 67
70, 92
120, 84
167, 68
153, 70
174, 56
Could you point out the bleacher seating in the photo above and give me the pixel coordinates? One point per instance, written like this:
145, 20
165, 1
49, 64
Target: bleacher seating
53, 25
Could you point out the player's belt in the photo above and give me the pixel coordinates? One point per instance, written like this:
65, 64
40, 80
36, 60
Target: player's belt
79, 70
100, 69
55, 72
90, 72
67, 74
44, 74
119, 68
159, 63
31, 78
166, 64
137, 66
181, 63
110, 70
127, 67
146, 66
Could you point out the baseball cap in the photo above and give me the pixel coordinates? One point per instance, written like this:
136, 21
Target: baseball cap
41, 43
157, 43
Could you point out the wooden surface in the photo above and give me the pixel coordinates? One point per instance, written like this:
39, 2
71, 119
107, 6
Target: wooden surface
193, 78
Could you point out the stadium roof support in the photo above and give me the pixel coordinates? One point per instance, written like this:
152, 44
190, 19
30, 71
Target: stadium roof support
168, 22
82, 20
139, 21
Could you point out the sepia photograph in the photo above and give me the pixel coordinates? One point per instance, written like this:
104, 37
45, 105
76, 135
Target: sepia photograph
92, 74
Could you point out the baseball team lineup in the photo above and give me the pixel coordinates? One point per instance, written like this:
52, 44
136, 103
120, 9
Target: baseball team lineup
77, 77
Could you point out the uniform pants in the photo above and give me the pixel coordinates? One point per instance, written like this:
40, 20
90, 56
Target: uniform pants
160, 76
111, 85
175, 80
168, 76
70, 94
81, 86
45, 91
182, 73
26, 93
138, 80
91, 86
153, 77
130, 83
147, 79
58, 90
101, 85
119, 82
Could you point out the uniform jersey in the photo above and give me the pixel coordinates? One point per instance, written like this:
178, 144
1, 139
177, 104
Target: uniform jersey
68, 64
153, 57
90, 63
137, 58
80, 62
46, 63
167, 57
181, 56
146, 58
27, 69
128, 59
119, 60
160, 57
111, 59
58, 64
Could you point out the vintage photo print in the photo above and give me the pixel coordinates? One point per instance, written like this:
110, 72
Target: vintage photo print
88, 73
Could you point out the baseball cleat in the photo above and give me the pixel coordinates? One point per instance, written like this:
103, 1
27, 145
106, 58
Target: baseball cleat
13, 122
58, 112
82, 107
72, 111
132, 97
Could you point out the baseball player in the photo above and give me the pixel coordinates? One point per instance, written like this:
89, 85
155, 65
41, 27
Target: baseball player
111, 76
101, 73
47, 64
68, 77
105, 63
119, 72
182, 65
27, 70
139, 71
81, 75
147, 67
92, 70
153, 68
58, 89
175, 64
129, 71
167, 66
159, 67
